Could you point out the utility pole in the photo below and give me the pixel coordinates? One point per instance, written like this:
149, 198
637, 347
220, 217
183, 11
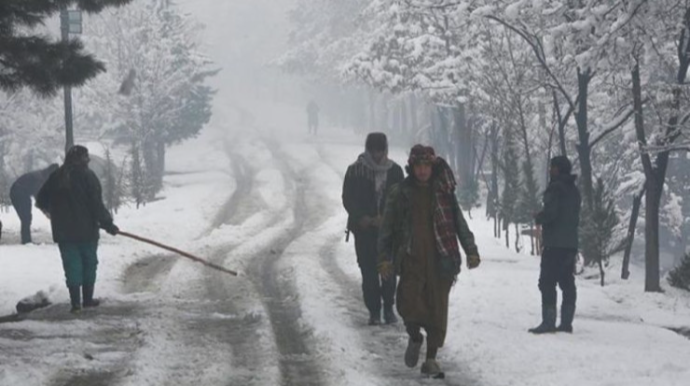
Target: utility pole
70, 22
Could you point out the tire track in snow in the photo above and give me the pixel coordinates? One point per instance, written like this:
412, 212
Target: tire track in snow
298, 365
243, 329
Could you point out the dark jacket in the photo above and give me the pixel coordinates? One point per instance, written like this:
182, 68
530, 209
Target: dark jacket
359, 193
73, 199
396, 235
560, 217
28, 185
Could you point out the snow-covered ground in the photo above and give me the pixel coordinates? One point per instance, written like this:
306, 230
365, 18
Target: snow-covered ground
256, 195
267, 203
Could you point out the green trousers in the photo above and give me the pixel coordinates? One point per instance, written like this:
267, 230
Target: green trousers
79, 261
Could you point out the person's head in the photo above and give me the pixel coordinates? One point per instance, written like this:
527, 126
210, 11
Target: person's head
420, 163
560, 166
77, 155
377, 146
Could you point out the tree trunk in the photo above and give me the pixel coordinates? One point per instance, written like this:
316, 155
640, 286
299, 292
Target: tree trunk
414, 121
653, 193
372, 110
602, 273
464, 148
562, 122
517, 237
583, 148
404, 122
652, 204
637, 201
532, 239
507, 228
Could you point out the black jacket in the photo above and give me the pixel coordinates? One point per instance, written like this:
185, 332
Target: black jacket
560, 217
359, 193
73, 199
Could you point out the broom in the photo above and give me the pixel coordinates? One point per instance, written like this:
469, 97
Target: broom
179, 252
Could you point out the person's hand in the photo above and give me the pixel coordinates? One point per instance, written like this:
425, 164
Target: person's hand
365, 222
385, 269
473, 261
112, 229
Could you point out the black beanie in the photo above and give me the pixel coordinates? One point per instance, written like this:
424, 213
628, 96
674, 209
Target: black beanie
376, 142
562, 163
76, 154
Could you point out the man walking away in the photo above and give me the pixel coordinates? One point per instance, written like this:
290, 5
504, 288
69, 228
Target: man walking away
21, 191
73, 200
419, 241
559, 220
366, 184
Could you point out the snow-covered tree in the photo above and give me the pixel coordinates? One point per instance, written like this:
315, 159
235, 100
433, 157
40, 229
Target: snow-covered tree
161, 98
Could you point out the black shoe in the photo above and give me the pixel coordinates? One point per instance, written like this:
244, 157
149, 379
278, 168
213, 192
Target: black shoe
412, 352
89, 301
567, 316
75, 298
389, 317
548, 324
374, 321
92, 303
564, 328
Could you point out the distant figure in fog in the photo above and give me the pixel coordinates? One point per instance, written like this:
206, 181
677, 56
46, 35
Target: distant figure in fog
21, 191
313, 117
73, 200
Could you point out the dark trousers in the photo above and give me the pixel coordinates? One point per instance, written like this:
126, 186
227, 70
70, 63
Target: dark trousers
558, 268
22, 205
374, 288
80, 261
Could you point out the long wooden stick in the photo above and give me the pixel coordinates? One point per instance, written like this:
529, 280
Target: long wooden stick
179, 252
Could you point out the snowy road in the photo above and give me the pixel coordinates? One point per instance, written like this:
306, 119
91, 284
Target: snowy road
171, 322
269, 206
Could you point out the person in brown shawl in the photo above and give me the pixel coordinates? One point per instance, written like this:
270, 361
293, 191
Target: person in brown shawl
418, 241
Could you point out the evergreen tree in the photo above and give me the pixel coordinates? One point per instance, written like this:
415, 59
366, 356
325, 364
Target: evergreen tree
137, 181
511, 184
112, 187
36, 61
597, 227
468, 196
528, 202
679, 277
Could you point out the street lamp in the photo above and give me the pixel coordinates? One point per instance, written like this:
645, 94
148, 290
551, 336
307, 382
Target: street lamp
70, 23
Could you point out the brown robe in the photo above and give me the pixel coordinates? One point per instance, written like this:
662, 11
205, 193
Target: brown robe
422, 292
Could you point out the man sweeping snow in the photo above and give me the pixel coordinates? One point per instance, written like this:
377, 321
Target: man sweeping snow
73, 200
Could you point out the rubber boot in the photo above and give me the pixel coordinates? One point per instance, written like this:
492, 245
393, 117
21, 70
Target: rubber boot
75, 299
389, 316
412, 352
548, 321
89, 301
431, 368
567, 316
375, 318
